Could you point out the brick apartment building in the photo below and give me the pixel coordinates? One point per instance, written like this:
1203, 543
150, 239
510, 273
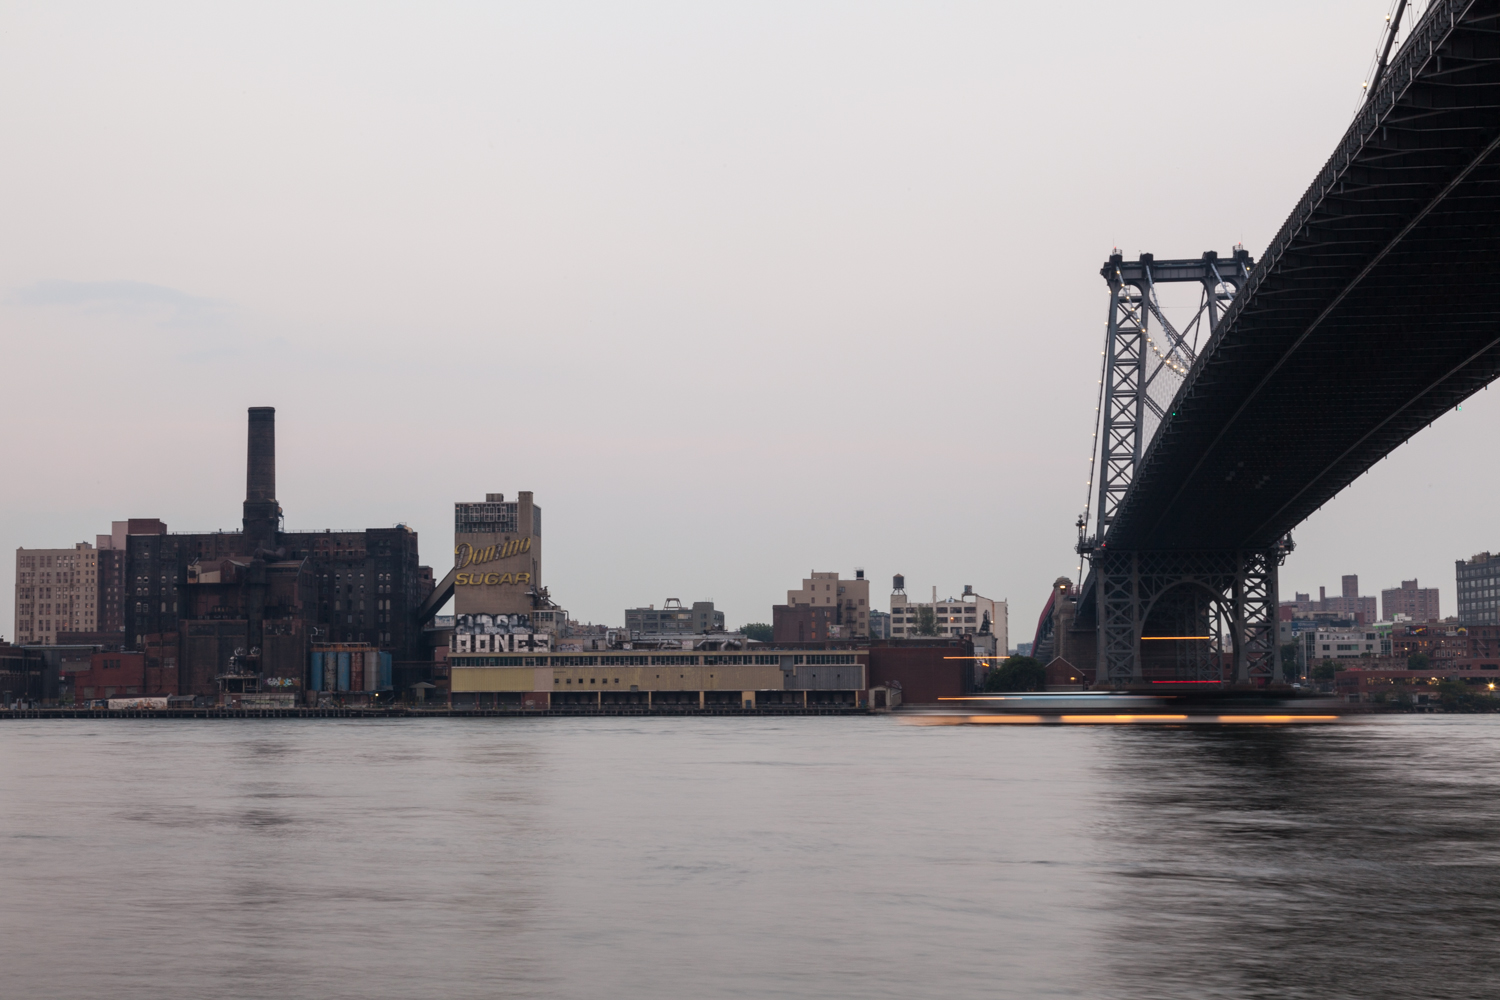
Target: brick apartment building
824, 607
57, 590
1420, 604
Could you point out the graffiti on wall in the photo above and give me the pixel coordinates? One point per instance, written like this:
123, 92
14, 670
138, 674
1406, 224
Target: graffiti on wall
483, 624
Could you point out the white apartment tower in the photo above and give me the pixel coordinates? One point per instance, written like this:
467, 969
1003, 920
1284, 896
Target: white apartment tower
965, 615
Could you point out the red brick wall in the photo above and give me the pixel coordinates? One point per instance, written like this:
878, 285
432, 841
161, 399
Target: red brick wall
111, 675
161, 664
801, 622
925, 673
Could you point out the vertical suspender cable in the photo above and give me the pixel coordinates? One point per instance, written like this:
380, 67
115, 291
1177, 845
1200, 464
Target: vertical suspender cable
1385, 51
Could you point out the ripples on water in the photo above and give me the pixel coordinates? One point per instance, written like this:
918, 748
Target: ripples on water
817, 857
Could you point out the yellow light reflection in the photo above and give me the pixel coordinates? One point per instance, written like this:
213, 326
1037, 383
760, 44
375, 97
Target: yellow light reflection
965, 720
1116, 719
1278, 718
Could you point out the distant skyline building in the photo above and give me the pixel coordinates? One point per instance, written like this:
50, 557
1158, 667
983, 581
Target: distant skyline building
1417, 603
1348, 604
1478, 581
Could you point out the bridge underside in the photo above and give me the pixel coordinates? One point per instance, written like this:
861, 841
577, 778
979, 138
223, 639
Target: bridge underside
1375, 310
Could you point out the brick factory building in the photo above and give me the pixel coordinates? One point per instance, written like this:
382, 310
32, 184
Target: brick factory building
246, 606
924, 670
803, 623
111, 675
22, 674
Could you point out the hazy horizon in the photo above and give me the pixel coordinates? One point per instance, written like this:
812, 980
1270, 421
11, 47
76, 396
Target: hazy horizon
738, 291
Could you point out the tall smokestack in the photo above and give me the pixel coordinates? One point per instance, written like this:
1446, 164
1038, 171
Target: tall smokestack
260, 470
262, 513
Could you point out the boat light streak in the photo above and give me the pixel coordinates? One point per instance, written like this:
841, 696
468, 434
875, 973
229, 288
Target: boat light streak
1116, 719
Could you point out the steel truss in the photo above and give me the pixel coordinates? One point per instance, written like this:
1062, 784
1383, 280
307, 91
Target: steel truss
1219, 607
1203, 616
1135, 361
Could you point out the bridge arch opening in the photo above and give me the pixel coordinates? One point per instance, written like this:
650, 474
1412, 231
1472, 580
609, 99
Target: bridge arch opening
1186, 634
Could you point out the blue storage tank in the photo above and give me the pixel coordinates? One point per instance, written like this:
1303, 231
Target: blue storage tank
385, 672
315, 673
343, 671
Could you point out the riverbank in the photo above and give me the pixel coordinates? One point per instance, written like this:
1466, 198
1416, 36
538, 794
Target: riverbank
409, 712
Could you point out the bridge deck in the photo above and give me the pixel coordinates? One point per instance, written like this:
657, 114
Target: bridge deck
1375, 310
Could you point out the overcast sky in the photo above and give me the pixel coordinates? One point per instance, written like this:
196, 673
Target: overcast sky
738, 290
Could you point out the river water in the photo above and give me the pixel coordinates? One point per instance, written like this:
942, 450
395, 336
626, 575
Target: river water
759, 857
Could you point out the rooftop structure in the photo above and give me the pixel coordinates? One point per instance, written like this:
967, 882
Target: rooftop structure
672, 618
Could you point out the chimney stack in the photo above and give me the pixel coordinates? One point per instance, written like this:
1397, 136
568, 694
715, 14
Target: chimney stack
262, 513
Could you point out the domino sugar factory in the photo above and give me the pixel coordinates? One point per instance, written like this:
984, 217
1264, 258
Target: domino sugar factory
268, 620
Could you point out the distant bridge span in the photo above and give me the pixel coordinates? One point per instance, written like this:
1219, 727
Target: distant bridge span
1374, 310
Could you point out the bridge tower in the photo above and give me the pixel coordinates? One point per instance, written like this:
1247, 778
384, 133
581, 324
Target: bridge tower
1169, 613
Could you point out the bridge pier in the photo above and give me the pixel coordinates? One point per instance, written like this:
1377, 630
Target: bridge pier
1186, 616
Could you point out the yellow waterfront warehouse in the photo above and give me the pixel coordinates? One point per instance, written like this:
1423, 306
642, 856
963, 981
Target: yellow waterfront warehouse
760, 679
